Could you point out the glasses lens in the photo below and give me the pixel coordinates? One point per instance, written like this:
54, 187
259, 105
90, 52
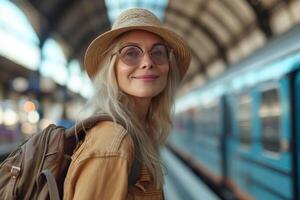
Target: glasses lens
159, 54
131, 55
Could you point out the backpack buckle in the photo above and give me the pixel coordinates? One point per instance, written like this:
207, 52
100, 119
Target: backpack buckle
15, 171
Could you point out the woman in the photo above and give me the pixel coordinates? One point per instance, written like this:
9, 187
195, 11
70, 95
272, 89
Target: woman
135, 68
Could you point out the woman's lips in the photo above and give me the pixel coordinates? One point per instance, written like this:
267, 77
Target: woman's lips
146, 78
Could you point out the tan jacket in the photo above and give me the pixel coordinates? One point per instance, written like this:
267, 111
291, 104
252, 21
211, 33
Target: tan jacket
101, 166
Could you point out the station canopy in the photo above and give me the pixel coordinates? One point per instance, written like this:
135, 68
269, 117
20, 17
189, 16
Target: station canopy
219, 32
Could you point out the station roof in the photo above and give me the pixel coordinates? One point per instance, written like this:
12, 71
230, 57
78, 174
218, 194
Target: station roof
219, 32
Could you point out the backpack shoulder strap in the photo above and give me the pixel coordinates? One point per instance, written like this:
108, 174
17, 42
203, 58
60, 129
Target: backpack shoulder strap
135, 172
86, 124
80, 129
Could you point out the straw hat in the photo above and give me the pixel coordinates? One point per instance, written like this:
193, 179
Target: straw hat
136, 19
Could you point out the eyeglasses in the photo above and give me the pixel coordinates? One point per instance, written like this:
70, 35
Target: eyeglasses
132, 54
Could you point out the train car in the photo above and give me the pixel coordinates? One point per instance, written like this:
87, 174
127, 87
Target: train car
243, 128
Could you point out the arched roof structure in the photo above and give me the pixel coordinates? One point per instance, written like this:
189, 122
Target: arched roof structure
220, 32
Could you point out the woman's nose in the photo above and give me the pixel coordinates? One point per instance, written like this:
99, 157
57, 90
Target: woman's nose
146, 61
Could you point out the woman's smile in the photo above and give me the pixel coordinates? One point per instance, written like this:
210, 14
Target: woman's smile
147, 78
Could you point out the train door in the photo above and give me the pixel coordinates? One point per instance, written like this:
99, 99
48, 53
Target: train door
238, 138
228, 140
271, 167
259, 159
295, 141
225, 119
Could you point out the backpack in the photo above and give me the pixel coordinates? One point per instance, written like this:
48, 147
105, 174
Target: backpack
37, 169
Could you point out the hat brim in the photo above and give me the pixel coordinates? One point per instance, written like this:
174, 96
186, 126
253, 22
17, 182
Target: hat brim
100, 44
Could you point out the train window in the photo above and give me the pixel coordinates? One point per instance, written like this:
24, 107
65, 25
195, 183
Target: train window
203, 121
190, 120
244, 119
270, 112
210, 118
199, 118
214, 119
206, 119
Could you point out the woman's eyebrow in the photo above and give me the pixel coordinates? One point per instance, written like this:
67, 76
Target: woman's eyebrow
124, 44
129, 43
159, 43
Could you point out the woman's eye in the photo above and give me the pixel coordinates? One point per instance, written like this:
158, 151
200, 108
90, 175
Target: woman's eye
159, 50
157, 53
131, 52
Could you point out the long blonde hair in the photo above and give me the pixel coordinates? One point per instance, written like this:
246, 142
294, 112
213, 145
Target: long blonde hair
111, 100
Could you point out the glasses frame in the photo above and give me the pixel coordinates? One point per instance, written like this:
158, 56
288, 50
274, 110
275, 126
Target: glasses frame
118, 53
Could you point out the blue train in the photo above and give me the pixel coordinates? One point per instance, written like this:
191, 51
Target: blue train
243, 128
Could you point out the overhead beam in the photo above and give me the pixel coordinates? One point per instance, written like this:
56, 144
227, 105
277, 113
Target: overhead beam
35, 3
54, 19
104, 23
263, 17
87, 38
201, 68
198, 24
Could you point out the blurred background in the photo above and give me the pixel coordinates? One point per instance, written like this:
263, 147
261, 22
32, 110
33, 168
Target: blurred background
236, 133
